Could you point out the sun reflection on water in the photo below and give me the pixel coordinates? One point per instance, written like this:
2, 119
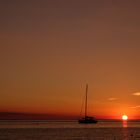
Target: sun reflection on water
125, 130
124, 123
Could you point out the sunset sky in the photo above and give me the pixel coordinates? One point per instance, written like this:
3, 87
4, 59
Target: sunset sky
50, 50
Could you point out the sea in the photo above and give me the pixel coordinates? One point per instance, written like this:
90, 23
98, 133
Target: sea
69, 130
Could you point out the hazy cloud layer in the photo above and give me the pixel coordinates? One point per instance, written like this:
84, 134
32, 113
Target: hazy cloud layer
135, 107
136, 94
112, 99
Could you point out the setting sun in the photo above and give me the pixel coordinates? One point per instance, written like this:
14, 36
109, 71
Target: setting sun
124, 117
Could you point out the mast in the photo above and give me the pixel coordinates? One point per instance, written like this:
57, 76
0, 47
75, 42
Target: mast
86, 100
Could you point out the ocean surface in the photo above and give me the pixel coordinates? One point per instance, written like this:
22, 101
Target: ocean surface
69, 130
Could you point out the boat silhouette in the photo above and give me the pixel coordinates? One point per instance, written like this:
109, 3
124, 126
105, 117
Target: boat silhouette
87, 119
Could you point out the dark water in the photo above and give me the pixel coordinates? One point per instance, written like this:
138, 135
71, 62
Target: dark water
69, 130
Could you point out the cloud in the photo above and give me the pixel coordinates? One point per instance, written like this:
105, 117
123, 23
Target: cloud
112, 99
136, 94
133, 107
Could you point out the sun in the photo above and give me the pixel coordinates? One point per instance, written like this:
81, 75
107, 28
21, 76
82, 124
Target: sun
124, 117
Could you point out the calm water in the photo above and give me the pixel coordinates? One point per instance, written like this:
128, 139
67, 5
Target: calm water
69, 130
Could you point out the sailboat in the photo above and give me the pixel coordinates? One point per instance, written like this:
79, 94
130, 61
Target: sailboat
87, 119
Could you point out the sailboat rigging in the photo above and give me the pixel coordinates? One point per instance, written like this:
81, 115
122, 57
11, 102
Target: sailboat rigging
87, 119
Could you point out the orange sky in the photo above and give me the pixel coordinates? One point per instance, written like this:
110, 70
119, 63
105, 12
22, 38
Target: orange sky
50, 49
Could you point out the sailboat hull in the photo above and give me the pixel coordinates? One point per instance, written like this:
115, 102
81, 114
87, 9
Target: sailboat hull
87, 120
